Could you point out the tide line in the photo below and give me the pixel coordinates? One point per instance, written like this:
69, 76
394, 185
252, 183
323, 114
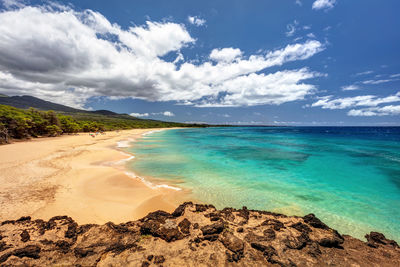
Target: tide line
150, 184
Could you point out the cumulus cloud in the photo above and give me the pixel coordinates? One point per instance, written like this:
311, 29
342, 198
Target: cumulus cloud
323, 4
225, 54
196, 21
348, 102
378, 111
168, 114
67, 56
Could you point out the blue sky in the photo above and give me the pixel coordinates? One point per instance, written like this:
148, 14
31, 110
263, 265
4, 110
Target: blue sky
322, 62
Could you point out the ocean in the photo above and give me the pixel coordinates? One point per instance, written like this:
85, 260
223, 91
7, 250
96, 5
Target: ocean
349, 177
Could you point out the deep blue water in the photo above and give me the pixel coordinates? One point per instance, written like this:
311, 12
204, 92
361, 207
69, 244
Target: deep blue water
348, 176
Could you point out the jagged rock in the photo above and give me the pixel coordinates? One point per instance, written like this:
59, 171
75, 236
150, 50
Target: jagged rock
374, 239
269, 234
30, 251
275, 224
184, 226
298, 242
314, 221
332, 240
201, 207
159, 259
64, 246
4, 246
25, 237
238, 238
252, 237
170, 232
301, 227
232, 243
83, 252
215, 228
181, 209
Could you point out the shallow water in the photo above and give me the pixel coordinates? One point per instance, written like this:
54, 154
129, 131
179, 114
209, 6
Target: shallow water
349, 177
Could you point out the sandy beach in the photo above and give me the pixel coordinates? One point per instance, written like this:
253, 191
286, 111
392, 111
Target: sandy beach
78, 176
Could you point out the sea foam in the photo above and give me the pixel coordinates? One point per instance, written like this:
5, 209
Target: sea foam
124, 143
150, 184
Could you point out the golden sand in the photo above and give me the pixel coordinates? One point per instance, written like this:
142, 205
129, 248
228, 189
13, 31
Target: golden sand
78, 176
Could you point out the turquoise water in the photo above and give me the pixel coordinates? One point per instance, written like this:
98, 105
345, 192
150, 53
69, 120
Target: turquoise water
349, 177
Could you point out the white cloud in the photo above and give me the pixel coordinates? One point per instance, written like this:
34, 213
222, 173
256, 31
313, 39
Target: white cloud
163, 113
379, 81
378, 111
67, 56
226, 54
323, 4
13, 3
350, 87
298, 2
168, 114
348, 102
196, 21
395, 75
139, 114
311, 35
273, 89
364, 73
291, 28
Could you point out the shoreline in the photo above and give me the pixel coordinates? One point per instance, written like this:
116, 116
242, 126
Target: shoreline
80, 176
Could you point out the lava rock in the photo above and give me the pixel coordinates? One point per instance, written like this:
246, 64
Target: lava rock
315, 222
211, 229
25, 237
231, 242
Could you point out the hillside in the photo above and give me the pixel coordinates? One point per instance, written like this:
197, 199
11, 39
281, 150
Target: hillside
24, 117
193, 235
25, 102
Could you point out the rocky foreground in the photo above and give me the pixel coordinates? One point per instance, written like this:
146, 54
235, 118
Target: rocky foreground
193, 235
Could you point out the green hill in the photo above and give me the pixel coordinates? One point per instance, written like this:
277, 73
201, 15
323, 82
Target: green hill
26, 116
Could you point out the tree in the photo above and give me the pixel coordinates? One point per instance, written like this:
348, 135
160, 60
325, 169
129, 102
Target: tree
3, 134
53, 130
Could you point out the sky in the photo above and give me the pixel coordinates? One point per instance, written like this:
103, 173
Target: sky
258, 62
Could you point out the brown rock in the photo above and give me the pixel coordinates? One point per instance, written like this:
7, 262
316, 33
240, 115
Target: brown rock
25, 237
184, 226
211, 229
255, 242
231, 242
314, 221
159, 259
375, 238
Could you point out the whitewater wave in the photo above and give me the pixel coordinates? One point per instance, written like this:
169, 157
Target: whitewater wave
150, 184
129, 157
150, 132
124, 143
